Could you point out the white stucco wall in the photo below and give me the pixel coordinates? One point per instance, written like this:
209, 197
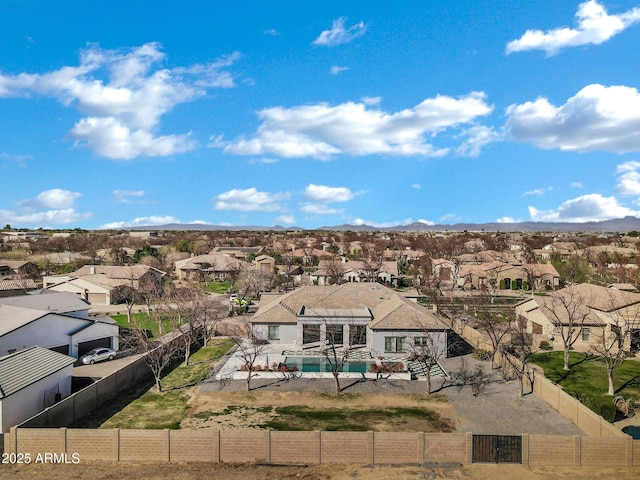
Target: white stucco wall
378, 340
288, 333
29, 401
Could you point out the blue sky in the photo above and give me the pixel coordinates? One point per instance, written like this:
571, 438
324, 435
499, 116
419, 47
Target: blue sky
118, 114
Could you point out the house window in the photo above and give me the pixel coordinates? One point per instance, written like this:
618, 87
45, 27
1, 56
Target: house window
274, 332
394, 345
585, 334
420, 341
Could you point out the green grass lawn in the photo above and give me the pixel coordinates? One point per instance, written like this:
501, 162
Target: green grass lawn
166, 409
216, 287
145, 321
587, 379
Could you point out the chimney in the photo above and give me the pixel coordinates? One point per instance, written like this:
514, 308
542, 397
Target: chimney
92, 270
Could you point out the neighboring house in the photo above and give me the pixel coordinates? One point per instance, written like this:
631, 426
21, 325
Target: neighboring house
30, 381
106, 285
596, 311
56, 302
355, 271
242, 253
504, 276
217, 266
358, 314
22, 268
444, 270
265, 264
22, 327
18, 286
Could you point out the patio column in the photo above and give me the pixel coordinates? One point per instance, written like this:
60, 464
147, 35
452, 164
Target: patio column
346, 341
299, 336
323, 334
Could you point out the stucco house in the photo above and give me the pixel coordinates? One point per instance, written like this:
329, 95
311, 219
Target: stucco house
506, 276
355, 271
106, 285
216, 266
58, 322
30, 381
593, 310
355, 314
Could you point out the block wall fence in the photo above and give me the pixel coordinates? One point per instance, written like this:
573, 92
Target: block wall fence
302, 448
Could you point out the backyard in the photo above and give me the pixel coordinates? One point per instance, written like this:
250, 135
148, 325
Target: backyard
587, 379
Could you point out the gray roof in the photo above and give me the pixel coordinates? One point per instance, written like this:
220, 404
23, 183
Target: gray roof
57, 302
26, 367
12, 318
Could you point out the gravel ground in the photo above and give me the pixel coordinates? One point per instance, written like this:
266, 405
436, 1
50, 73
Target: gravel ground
497, 410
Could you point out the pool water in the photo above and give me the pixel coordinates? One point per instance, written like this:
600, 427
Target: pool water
319, 364
632, 430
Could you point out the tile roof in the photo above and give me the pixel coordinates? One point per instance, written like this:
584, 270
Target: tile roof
26, 367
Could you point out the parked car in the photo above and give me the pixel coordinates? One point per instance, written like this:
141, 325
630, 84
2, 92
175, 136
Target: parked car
97, 355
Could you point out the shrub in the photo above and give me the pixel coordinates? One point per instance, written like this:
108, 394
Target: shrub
544, 345
502, 285
480, 354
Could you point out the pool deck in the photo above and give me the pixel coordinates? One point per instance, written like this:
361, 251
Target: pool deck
276, 354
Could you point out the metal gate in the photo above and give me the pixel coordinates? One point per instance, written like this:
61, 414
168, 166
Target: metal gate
497, 449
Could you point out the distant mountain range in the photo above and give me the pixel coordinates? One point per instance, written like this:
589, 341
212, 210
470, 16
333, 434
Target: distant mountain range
625, 224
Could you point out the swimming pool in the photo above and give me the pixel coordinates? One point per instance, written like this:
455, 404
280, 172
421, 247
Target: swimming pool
632, 430
320, 364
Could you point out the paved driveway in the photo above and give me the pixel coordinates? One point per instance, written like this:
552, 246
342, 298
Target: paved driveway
103, 369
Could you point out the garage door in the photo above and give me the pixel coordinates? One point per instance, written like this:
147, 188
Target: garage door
97, 298
61, 349
84, 347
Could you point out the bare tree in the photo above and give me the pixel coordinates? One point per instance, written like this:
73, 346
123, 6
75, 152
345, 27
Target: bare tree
250, 346
613, 334
567, 310
517, 353
495, 326
335, 351
157, 352
335, 270
428, 347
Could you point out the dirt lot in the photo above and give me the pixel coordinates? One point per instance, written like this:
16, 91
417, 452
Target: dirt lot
212, 410
192, 471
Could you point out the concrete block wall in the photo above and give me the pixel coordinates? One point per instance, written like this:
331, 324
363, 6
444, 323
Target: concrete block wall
194, 446
274, 447
446, 447
295, 447
347, 447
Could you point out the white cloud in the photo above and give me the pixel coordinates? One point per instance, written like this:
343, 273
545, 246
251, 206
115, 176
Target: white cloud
416, 186
406, 221
338, 34
122, 95
271, 32
322, 130
319, 209
628, 166
56, 198
576, 185
335, 70
478, 137
587, 208
250, 200
426, 222
20, 160
507, 220
142, 222
122, 195
51, 207
536, 191
448, 217
286, 219
320, 196
594, 26
371, 100
596, 118
322, 193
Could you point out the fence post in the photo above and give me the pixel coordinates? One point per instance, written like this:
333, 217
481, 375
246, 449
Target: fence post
577, 450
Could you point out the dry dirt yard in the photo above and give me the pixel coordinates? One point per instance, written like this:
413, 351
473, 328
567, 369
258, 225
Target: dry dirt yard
203, 471
228, 410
